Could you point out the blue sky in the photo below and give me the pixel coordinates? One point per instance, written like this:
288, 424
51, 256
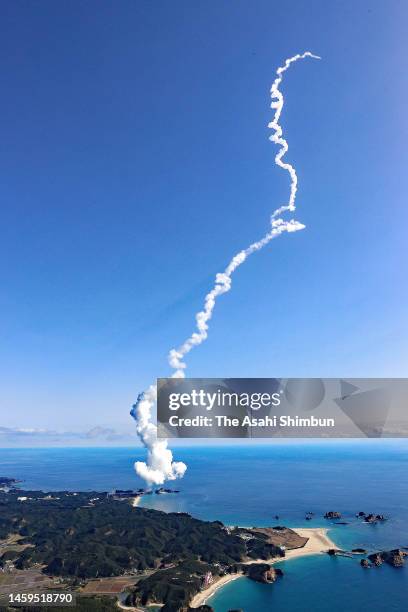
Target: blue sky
135, 160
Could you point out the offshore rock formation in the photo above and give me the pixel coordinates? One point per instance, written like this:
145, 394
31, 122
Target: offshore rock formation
263, 572
374, 518
376, 559
332, 515
395, 557
371, 518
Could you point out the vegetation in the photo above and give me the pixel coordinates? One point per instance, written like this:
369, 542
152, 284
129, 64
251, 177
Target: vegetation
74, 536
175, 586
89, 535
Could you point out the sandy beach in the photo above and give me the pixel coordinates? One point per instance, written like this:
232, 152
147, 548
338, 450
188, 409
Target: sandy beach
318, 543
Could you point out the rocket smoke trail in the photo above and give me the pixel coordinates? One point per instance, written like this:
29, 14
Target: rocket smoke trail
160, 465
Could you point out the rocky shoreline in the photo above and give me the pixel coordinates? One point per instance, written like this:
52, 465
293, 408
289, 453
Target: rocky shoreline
394, 557
311, 541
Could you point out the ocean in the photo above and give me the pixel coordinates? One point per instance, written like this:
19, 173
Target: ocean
250, 484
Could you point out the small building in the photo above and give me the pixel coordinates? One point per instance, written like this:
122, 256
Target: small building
207, 580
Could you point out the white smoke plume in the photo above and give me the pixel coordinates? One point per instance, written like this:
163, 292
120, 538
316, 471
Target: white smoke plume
160, 465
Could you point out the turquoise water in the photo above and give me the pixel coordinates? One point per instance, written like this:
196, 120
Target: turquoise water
248, 485
319, 584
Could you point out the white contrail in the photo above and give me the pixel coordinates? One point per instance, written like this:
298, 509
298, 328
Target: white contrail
223, 280
160, 465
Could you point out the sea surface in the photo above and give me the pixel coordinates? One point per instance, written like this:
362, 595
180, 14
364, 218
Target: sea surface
248, 485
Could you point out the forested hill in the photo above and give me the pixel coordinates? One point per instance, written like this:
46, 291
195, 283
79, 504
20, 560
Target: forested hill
88, 535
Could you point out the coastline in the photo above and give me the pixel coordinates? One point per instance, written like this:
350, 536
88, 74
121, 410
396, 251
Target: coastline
318, 542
